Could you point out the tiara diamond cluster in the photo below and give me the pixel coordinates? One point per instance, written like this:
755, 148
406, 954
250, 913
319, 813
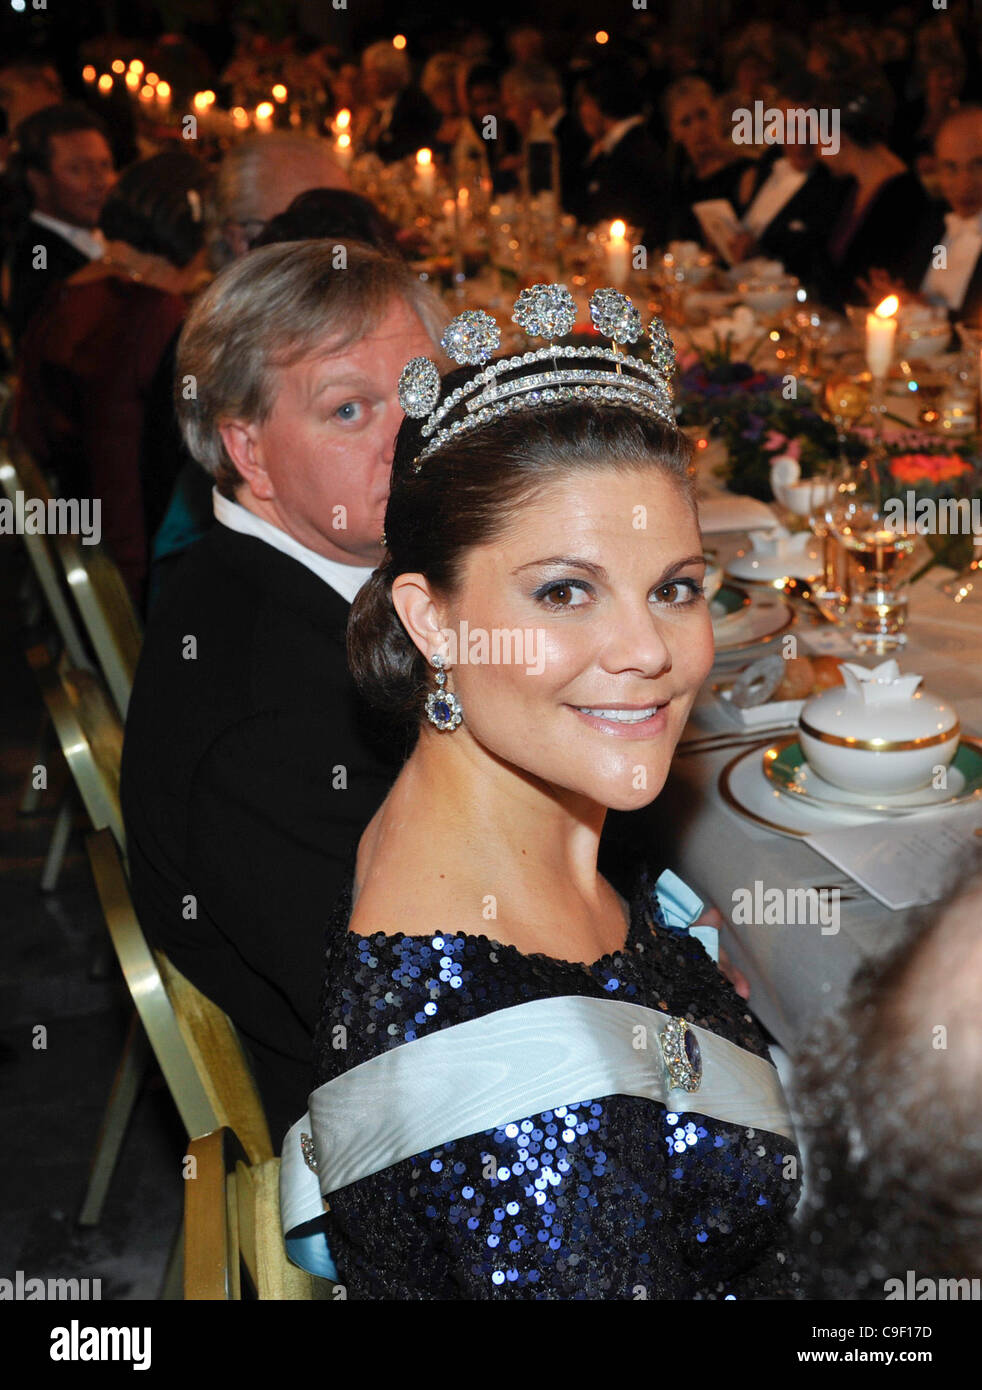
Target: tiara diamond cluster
543, 311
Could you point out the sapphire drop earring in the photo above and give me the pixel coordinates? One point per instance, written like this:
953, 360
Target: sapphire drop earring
442, 706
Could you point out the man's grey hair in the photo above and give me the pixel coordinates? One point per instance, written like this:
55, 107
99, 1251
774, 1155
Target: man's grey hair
383, 57
268, 310
257, 165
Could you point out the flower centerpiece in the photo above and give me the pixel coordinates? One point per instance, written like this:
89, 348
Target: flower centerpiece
759, 417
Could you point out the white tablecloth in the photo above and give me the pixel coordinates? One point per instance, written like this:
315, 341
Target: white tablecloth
795, 972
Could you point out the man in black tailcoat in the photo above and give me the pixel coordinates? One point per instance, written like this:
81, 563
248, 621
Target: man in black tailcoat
250, 766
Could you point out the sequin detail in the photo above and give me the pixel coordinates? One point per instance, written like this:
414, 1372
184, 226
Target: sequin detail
601, 1198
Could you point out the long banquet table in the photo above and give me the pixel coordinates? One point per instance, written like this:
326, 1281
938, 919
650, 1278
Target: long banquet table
796, 973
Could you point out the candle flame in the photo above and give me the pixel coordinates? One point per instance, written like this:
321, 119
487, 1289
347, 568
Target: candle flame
163, 90
146, 93
343, 119
279, 92
617, 229
344, 141
264, 110
105, 83
887, 307
601, 36
133, 80
399, 41
424, 157
152, 79
240, 116
119, 66
88, 73
137, 66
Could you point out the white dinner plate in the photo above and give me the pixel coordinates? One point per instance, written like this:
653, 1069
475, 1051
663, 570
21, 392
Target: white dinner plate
790, 772
746, 790
764, 569
766, 616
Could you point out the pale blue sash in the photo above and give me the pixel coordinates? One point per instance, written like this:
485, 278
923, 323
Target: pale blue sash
508, 1065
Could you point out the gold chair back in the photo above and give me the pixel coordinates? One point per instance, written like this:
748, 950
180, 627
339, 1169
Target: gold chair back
110, 619
195, 1043
19, 474
232, 1235
102, 599
90, 733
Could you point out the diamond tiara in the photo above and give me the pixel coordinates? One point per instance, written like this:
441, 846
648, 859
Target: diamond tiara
543, 311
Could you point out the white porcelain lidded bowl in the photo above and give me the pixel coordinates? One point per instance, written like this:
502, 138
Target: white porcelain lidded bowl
878, 732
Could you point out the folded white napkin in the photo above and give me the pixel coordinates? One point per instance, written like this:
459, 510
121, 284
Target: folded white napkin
733, 513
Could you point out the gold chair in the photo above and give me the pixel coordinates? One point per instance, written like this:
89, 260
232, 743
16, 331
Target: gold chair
101, 597
90, 733
233, 1244
195, 1043
20, 474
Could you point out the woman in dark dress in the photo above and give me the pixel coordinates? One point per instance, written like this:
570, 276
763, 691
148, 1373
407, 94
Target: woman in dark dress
706, 165
883, 201
92, 352
566, 524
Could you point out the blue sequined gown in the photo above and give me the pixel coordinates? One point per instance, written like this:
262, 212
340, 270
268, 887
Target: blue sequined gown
604, 1198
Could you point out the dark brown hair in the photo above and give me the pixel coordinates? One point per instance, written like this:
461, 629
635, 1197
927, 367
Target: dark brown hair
466, 495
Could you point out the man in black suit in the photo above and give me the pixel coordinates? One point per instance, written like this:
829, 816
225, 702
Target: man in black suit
250, 767
403, 119
533, 99
64, 166
946, 247
623, 176
793, 203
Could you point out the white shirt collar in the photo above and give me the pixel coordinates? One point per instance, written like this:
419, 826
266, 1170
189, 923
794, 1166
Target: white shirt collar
345, 580
90, 243
957, 226
616, 134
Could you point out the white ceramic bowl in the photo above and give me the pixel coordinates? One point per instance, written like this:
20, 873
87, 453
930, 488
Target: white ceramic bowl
881, 752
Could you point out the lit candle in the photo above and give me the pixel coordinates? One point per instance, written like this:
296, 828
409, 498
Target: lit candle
264, 117
618, 255
425, 173
105, 84
240, 118
138, 66
342, 148
133, 80
342, 121
280, 93
151, 79
146, 92
163, 95
89, 73
881, 331
119, 67
464, 202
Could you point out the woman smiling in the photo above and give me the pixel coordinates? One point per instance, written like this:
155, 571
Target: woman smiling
542, 1027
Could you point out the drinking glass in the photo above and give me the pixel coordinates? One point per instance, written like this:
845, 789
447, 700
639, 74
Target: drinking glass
879, 548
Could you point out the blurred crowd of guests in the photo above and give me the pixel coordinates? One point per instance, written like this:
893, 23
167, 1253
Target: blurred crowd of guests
103, 248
